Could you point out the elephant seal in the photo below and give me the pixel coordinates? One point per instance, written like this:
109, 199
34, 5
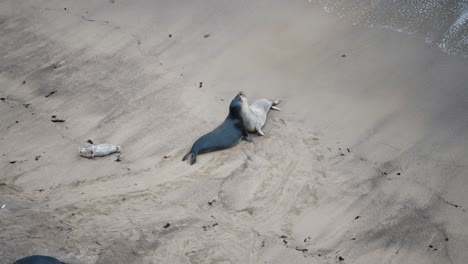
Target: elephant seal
255, 115
98, 150
226, 135
37, 259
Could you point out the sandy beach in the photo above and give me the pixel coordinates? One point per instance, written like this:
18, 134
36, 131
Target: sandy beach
366, 163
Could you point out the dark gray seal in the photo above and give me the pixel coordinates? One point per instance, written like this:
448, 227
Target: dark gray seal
226, 135
38, 260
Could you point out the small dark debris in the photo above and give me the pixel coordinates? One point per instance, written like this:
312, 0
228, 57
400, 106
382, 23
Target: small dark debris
446, 239
118, 159
353, 238
3, 99
222, 99
204, 228
55, 66
98, 243
58, 120
51, 93
167, 225
207, 35
319, 255
398, 173
123, 199
64, 8
285, 242
263, 244
435, 249
211, 202
314, 138
340, 258
13, 162
73, 214
37, 157
283, 236
431, 246
343, 56
357, 217
24, 82
341, 154
54, 116
2, 184
16, 121
384, 173
139, 42
304, 250
26, 105
89, 141
349, 151
40, 190
170, 35
215, 224
329, 149
200, 85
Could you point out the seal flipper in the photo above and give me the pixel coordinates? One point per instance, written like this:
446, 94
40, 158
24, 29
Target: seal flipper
259, 130
192, 156
275, 102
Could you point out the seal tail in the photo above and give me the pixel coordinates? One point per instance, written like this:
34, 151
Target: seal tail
275, 102
192, 157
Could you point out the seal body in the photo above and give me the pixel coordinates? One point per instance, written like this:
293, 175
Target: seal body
38, 260
226, 135
98, 150
255, 115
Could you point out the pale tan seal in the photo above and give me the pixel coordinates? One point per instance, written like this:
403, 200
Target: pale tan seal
255, 115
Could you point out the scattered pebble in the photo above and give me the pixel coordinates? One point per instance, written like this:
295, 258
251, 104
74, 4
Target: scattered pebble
118, 159
167, 225
24, 82
283, 236
170, 35
398, 173
446, 239
207, 35
55, 120
89, 141
26, 105
167, 156
340, 258
37, 157
304, 250
51, 93
3, 99
211, 202
215, 224
3, 206
343, 56
285, 242
357, 217
13, 162
200, 85
349, 151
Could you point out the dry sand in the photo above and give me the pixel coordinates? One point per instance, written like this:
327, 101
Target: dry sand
367, 162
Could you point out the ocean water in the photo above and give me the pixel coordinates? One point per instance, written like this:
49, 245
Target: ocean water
443, 22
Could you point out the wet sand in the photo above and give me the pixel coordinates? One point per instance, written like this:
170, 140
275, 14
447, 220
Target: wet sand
366, 163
